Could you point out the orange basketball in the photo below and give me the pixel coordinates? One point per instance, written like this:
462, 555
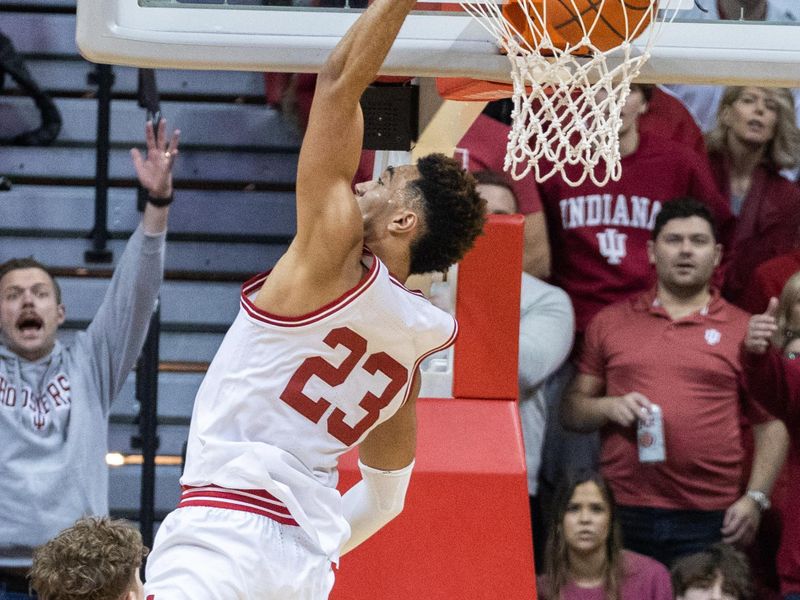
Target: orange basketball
607, 23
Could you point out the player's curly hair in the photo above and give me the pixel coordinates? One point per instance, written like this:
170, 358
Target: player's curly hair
454, 213
95, 559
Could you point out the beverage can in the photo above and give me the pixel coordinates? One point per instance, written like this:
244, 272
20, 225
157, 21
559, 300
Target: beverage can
650, 436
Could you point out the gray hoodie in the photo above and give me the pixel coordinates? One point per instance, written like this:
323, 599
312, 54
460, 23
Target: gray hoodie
54, 411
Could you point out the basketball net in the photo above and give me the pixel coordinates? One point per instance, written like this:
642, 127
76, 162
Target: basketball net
568, 98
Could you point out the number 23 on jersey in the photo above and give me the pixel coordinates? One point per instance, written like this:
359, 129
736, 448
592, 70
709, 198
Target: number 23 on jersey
313, 410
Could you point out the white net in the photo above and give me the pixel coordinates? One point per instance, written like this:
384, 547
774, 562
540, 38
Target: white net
568, 96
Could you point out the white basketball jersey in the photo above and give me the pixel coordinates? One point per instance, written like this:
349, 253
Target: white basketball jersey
285, 396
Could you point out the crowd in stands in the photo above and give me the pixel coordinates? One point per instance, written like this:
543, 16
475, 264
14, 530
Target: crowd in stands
677, 286
664, 269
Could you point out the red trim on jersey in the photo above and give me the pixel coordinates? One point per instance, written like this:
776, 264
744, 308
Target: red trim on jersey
342, 301
259, 502
451, 340
400, 285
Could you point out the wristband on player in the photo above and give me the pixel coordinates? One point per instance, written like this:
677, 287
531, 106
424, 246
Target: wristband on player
374, 501
161, 202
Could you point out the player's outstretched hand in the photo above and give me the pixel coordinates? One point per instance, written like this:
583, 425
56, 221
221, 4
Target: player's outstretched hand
761, 329
155, 169
626, 410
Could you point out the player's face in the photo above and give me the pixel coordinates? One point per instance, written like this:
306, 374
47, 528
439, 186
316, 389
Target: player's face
381, 198
29, 312
499, 199
685, 253
712, 592
752, 117
587, 520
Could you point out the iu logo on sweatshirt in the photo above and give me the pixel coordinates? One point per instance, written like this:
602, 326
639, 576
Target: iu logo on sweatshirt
54, 395
612, 245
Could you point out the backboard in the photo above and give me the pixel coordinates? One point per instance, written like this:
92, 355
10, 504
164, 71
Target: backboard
438, 39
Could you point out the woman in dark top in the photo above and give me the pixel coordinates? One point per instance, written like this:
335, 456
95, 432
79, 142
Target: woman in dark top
755, 138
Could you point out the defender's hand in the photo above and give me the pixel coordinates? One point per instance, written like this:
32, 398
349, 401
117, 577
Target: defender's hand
155, 170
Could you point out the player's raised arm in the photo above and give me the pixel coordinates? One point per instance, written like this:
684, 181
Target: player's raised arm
329, 223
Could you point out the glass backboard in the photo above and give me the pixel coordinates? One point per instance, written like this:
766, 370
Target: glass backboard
438, 39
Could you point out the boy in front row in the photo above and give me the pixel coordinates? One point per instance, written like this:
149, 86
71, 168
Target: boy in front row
96, 559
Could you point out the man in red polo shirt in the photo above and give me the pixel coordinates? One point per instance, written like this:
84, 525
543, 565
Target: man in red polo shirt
676, 346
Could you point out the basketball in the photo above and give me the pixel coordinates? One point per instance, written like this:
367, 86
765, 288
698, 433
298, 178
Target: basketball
607, 23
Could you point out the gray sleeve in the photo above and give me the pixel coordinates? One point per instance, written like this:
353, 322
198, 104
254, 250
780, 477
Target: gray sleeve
114, 338
546, 329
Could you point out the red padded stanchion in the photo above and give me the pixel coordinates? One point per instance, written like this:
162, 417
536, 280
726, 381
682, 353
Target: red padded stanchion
487, 308
465, 532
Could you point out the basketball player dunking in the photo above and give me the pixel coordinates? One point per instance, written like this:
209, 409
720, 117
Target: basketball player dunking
322, 356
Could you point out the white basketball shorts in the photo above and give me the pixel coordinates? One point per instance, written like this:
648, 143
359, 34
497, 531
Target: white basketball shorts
203, 553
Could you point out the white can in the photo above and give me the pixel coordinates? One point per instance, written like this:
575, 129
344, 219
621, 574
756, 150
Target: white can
650, 436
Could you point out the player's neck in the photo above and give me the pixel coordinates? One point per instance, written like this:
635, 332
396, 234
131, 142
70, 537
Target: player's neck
394, 255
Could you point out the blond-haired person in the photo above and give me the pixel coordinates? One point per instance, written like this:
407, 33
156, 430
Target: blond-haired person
96, 559
755, 138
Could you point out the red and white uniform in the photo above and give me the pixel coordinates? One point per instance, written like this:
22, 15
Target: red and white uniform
285, 397
282, 400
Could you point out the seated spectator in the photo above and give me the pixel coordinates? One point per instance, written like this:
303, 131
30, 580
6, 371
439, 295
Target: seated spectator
585, 559
95, 559
485, 145
773, 375
667, 117
703, 100
754, 139
598, 236
676, 346
546, 328
719, 573
769, 279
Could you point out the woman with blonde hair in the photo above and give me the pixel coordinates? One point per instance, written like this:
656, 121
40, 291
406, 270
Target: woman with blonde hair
584, 558
755, 138
772, 375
